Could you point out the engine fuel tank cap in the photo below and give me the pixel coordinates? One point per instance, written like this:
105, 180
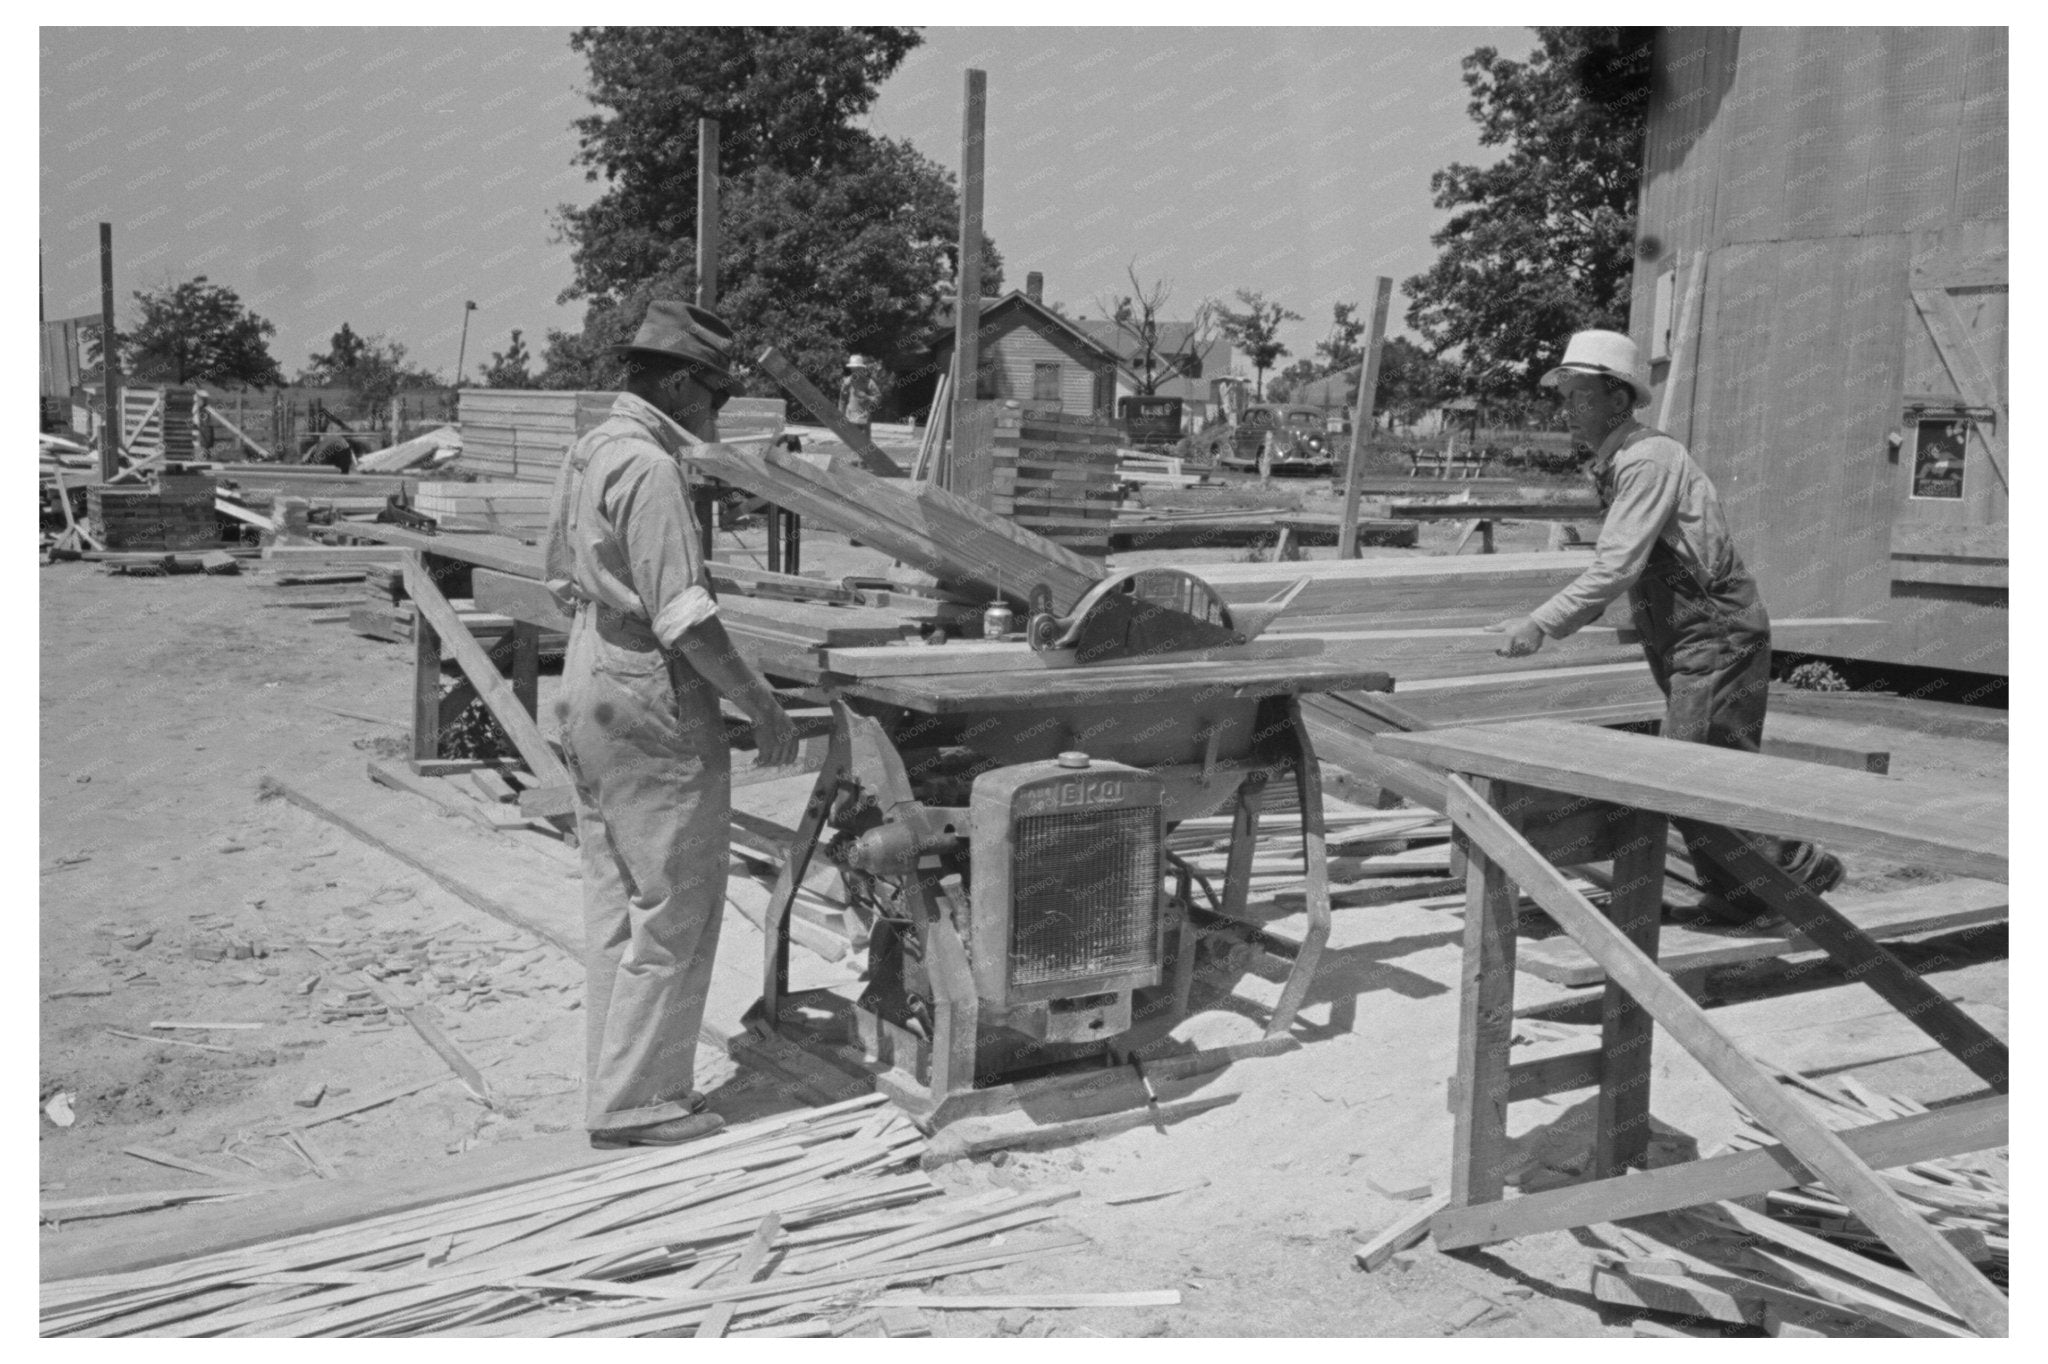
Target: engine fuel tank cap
1073, 757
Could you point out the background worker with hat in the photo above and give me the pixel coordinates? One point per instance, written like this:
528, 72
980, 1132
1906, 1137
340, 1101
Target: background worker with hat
648, 659
1665, 543
860, 393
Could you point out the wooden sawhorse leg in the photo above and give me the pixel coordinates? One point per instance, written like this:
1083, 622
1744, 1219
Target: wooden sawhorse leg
1621, 1137
1486, 1025
1496, 847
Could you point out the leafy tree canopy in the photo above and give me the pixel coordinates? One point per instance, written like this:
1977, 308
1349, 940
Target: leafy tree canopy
511, 367
193, 333
1256, 331
831, 240
373, 368
1539, 244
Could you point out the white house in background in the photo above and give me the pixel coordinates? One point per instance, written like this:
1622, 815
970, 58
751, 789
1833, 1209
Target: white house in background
1197, 392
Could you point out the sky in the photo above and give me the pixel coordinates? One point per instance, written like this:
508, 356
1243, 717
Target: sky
384, 177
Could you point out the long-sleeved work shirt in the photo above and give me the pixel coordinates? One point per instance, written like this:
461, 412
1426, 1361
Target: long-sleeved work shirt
1652, 491
620, 534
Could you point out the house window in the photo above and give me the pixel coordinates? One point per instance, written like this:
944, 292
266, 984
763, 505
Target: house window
1045, 383
1939, 446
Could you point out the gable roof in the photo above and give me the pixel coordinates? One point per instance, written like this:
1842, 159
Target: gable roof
1045, 319
1219, 358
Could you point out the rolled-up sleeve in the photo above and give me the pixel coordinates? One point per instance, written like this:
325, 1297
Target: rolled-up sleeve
650, 506
1645, 496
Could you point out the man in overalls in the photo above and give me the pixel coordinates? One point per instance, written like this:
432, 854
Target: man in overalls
648, 659
1703, 627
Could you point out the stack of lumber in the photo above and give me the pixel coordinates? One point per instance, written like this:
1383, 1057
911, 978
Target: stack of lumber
522, 435
1049, 472
174, 512
1808, 1266
517, 509
1364, 846
787, 1226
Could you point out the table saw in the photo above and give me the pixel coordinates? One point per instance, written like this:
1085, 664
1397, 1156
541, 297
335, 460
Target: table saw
1003, 829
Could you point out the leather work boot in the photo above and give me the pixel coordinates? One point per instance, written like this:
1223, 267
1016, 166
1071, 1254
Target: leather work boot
671, 1132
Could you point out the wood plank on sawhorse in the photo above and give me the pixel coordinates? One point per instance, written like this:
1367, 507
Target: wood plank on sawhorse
1495, 821
437, 627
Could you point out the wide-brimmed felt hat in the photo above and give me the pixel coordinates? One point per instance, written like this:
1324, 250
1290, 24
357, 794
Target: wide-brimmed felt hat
696, 336
859, 362
1603, 353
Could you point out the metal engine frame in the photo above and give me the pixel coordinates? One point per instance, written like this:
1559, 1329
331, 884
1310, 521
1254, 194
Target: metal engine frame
1216, 758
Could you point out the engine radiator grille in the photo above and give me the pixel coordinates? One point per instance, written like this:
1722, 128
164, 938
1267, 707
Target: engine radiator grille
1086, 895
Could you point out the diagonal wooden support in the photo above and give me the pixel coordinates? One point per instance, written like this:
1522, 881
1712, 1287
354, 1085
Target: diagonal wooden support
1863, 958
491, 685
1960, 1284
1978, 1125
869, 454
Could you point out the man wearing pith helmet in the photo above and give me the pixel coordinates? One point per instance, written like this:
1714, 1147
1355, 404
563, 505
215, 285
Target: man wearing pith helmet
1664, 542
648, 659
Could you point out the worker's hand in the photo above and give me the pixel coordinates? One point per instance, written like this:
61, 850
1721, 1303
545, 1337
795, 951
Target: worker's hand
1525, 637
775, 741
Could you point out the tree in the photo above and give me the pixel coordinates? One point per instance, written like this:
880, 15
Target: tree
509, 368
1340, 349
344, 352
1256, 332
372, 368
819, 266
1288, 381
831, 239
783, 97
193, 333
1412, 381
1539, 244
1136, 315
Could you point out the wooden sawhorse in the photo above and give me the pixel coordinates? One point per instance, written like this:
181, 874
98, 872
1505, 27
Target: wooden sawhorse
1528, 797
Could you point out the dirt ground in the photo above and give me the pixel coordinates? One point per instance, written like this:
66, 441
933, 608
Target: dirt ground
173, 891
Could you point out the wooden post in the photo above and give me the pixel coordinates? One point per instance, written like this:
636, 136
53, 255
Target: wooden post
426, 688
110, 377
1486, 1021
1621, 1131
967, 309
707, 213
1361, 420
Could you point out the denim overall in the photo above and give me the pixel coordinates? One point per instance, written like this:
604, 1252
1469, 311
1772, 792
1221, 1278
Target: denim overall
1708, 643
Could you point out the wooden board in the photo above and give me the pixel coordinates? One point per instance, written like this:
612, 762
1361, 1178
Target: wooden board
1914, 911
1161, 684
1495, 844
1957, 827
948, 536
982, 657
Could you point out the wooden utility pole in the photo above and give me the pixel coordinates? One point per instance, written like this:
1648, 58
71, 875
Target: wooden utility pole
1361, 420
967, 309
110, 378
707, 213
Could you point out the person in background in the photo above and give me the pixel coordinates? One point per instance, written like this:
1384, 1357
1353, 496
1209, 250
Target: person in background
860, 393
1703, 627
648, 659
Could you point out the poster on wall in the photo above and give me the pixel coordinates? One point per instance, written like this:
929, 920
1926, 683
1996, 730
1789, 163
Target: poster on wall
1939, 445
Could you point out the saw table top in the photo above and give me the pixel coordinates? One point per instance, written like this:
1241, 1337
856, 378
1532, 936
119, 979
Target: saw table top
1148, 684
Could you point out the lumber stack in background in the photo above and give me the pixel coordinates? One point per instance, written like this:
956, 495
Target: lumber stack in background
522, 435
1049, 472
174, 512
504, 505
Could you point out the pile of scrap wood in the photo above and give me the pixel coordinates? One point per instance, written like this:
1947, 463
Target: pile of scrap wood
1806, 1265
793, 1225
